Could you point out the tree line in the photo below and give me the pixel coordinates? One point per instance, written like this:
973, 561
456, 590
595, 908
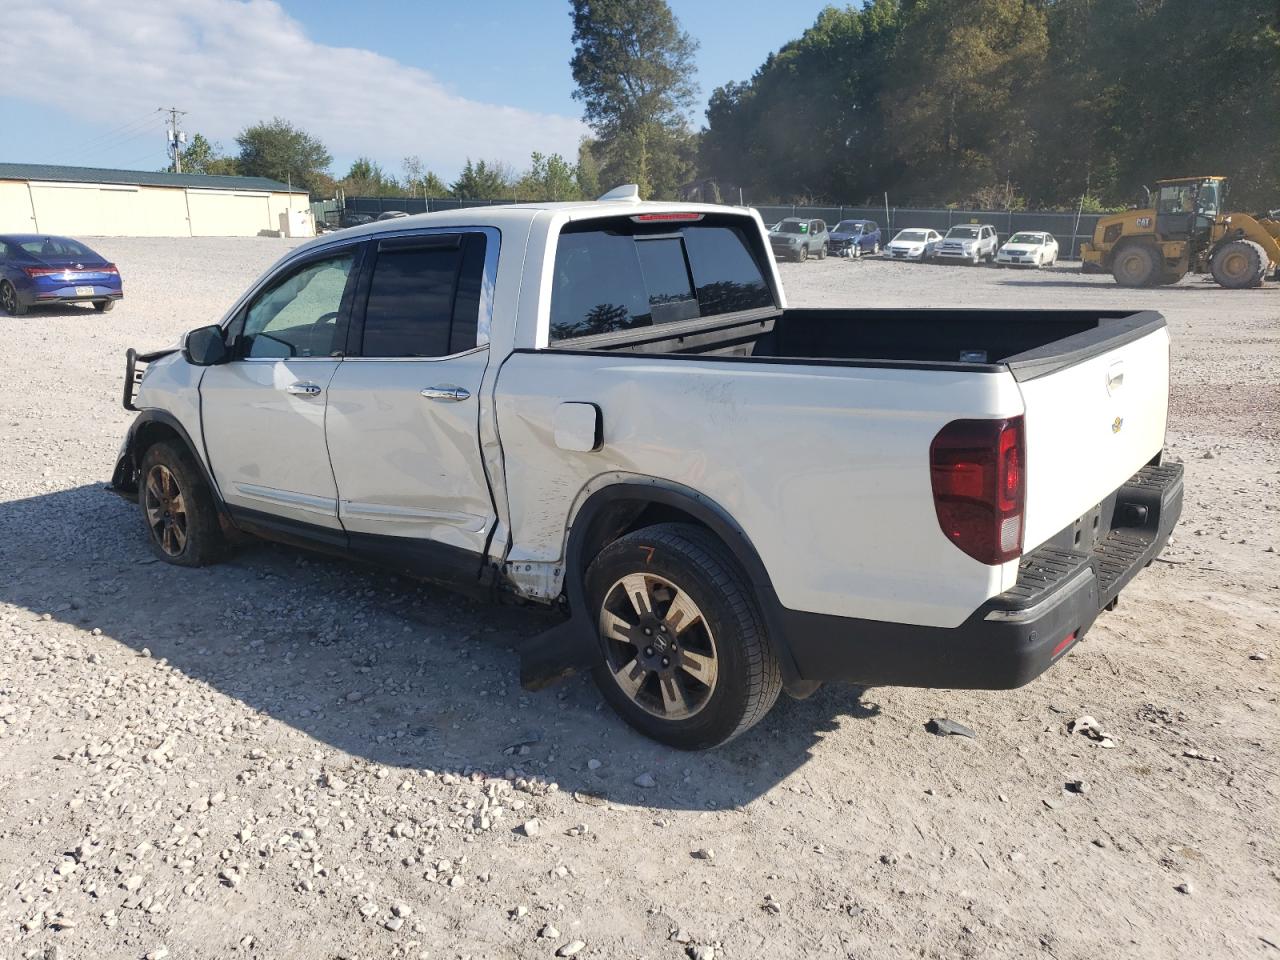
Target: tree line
998, 103
1008, 102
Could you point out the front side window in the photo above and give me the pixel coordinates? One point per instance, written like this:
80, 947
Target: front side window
613, 275
298, 316
424, 296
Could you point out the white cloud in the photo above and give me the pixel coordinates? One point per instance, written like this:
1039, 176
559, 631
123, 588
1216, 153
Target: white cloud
235, 62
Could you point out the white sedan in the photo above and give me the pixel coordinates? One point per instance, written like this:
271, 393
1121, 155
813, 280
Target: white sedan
1028, 250
915, 244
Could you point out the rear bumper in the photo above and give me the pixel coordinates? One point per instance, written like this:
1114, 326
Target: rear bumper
1014, 637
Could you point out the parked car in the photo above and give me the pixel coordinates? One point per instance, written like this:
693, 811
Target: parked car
392, 215
1029, 249
853, 238
351, 218
969, 242
798, 239
625, 423
39, 270
914, 244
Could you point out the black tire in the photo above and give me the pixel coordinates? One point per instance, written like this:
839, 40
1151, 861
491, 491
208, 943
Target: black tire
1239, 264
802, 254
822, 252
875, 249
747, 677
103, 306
181, 529
1137, 265
9, 301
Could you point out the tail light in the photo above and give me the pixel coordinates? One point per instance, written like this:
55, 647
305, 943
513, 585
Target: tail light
55, 271
977, 468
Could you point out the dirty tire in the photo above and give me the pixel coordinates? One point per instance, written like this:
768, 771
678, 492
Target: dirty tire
822, 252
1137, 265
748, 678
802, 254
1239, 264
202, 540
9, 301
102, 306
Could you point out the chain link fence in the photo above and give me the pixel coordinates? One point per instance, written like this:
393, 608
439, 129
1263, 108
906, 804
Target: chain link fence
1069, 232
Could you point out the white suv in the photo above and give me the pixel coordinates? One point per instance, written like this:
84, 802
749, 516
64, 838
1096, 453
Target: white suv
970, 242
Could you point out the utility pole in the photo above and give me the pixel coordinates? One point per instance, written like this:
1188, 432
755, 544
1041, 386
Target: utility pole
176, 137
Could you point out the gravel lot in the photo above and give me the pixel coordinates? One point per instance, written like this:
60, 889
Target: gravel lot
288, 756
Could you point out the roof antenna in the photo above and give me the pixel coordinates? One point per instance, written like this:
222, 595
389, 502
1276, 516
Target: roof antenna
628, 191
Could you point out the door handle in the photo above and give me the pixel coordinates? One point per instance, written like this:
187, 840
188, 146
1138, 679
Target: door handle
452, 394
303, 389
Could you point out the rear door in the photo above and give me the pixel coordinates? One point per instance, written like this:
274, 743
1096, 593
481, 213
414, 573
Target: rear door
403, 413
263, 412
1090, 427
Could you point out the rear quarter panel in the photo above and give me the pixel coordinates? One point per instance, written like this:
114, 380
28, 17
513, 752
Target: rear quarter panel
825, 468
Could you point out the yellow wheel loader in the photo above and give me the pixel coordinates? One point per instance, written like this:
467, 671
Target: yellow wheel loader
1185, 231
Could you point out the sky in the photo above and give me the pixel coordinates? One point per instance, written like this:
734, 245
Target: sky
378, 78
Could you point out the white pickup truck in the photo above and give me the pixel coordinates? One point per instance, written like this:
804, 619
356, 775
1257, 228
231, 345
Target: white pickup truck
609, 409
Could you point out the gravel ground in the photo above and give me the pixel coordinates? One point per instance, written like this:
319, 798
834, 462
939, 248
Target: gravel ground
288, 756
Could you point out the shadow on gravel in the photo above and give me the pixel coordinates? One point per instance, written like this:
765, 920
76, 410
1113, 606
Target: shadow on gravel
60, 310
377, 666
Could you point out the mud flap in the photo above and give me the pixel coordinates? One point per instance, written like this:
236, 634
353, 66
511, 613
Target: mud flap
558, 653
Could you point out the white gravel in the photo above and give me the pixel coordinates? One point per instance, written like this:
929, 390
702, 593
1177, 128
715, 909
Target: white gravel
184, 772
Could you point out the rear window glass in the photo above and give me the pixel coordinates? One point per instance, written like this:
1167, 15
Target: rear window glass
57, 247
424, 297
612, 276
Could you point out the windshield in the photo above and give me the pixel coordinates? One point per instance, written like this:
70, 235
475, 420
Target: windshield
962, 233
849, 226
912, 236
1027, 238
1208, 199
793, 226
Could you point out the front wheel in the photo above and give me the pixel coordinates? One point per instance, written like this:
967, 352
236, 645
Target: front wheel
802, 255
177, 508
686, 657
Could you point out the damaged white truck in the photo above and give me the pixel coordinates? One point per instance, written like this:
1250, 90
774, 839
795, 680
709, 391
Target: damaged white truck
609, 409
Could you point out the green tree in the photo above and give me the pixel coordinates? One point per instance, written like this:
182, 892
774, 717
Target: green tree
420, 181
202, 156
634, 71
283, 152
367, 179
549, 178
587, 172
483, 180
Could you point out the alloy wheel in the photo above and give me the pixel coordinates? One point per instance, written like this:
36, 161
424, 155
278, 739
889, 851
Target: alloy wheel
166, 510
658, 646
8, 298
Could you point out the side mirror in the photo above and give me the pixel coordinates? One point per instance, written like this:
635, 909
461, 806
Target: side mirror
206, 346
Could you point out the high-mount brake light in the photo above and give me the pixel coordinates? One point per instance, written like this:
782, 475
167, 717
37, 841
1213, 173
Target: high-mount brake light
664, 217
978, 472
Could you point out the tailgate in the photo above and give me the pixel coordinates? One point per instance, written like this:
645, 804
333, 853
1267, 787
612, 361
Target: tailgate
1091, 424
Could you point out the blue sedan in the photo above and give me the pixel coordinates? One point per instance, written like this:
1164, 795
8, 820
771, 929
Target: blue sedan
36, 269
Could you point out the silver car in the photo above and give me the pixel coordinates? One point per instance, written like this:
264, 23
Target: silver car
969, 242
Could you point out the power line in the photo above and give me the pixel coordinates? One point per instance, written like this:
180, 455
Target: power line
122, 136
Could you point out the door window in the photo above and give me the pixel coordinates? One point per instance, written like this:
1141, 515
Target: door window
424, 296
298, 316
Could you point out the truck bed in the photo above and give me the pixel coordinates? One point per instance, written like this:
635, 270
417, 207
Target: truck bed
1029, 343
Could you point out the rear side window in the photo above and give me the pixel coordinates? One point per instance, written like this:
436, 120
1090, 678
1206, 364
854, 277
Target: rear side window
424, 296
614, 275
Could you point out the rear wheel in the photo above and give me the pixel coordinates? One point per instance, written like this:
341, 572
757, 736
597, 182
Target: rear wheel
1136, 265
102, 306
9, 301
178, 508
1239, 264
686, 658
875, 249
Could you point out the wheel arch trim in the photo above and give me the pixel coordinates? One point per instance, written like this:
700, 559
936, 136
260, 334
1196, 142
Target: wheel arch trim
572, 645
124, 476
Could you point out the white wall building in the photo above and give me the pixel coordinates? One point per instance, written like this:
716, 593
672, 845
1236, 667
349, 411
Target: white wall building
92, 202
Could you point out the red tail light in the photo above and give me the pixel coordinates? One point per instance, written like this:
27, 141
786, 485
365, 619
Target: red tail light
55, 271
979, 486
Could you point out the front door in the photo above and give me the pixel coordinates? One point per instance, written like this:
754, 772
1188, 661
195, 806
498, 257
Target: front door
263, 412
403, 412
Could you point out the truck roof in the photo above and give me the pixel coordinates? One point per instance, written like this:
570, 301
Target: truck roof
513, 214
